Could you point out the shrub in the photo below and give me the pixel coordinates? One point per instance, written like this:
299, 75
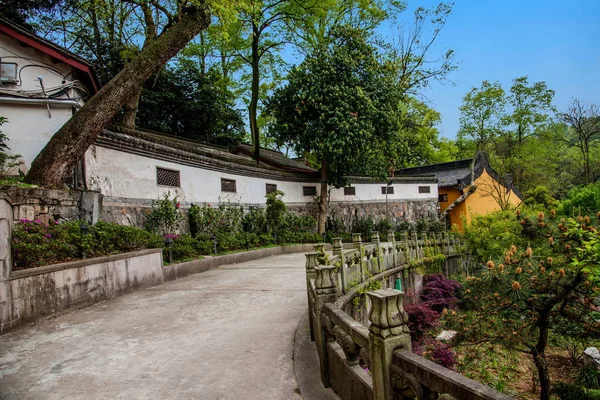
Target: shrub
164, 218
36, 244
439, 292
584, 200
255, 221
384, 226
211, 220
363, 226
488, 237
421, 319
540, 196
275, 210
444, 355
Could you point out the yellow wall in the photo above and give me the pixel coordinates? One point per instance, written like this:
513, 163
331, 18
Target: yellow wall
479, 203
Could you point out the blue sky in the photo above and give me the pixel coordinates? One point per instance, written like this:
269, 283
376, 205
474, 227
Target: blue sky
553, 41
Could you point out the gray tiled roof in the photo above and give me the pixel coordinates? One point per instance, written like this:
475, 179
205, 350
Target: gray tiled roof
449, 174
275, 158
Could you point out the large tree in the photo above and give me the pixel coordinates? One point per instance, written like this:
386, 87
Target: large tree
482, 114
584, 132
187, 102
69, 144
340, 105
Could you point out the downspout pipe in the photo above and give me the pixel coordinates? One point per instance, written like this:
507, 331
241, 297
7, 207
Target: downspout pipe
40, 102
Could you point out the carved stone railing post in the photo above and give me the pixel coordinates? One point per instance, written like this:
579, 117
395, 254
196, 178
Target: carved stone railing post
326, 291
375, 238
311, 263
338, 247
357, 239
319, 247
388, 332
391, 237
415, 239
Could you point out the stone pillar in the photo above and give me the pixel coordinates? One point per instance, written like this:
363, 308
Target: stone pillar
388, 332
311, 263
357, 240
338, 247
375, 238
319, 248
415, 239
91, 202
325, 283
391, 237
6, 227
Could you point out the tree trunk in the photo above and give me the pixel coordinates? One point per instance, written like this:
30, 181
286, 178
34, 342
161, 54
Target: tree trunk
253, 108
323, 200
130, 109
539, 356
70, 143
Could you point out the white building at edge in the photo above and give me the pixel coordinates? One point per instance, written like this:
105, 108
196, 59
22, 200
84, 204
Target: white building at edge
42, 85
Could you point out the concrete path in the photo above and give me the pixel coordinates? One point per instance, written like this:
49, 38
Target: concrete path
224, 334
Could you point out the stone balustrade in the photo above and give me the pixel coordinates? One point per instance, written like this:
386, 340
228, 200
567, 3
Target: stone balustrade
381, 344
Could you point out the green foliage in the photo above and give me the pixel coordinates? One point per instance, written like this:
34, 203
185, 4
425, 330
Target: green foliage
164, 218
588, 376
275, 211
340, 105
540, 197
566, 391
361, 294
583, 200
519, 299
488, 236
7, 162
184, 102
363, 226
481, 114
255, 221
223, 218
35, 243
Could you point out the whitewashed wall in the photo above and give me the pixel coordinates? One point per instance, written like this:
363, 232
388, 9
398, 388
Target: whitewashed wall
124, 175
30, 127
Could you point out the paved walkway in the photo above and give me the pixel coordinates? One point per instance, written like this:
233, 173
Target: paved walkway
223, 334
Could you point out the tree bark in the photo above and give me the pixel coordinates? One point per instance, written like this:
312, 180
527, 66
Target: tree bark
130, 109
539, 356
254, 92
70, 143
323, 200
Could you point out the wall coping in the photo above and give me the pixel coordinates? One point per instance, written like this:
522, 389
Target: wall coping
78, 263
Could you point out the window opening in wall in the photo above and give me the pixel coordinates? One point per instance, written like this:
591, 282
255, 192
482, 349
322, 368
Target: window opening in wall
390, 189
271, 188
350, 191
167, 177
228, 185
309, 190
443, 198
424, 189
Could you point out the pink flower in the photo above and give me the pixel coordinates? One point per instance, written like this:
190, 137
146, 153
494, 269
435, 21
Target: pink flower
208, 205
177, 205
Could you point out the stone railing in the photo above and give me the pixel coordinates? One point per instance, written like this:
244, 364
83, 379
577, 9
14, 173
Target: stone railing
381, 344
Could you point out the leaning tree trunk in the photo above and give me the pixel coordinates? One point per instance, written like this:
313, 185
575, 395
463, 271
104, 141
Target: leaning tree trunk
70, 143
130, 109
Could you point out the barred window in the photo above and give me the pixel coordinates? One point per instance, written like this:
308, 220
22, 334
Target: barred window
349, 191
167, 177
424, 189
228, 185
309, 190
390, 189
271, 187
443, 198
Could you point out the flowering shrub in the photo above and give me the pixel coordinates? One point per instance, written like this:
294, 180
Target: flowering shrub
421, 319
35, 243
210, 219
165, 216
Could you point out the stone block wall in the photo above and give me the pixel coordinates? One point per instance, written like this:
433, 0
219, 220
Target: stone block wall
52, 204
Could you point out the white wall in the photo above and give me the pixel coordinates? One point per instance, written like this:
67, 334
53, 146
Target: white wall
119, 174
30, 127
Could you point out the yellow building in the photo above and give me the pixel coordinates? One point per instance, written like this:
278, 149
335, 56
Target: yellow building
467, 188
